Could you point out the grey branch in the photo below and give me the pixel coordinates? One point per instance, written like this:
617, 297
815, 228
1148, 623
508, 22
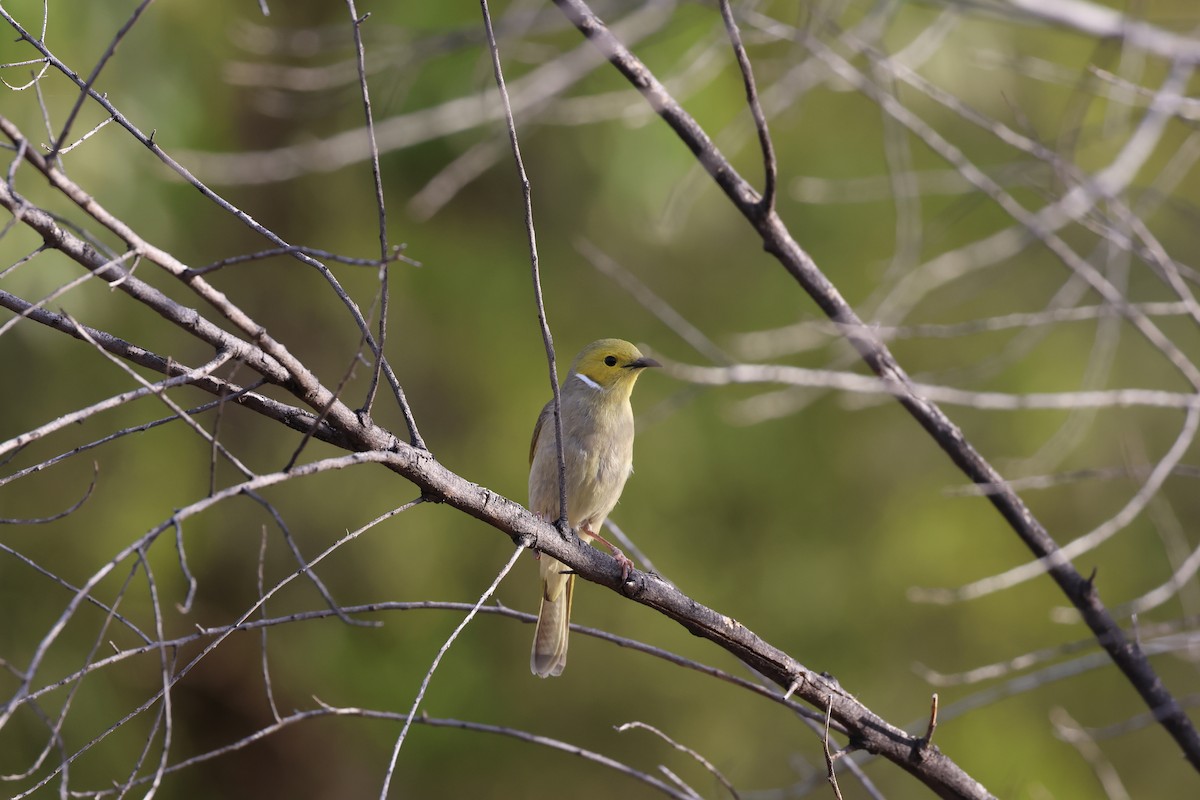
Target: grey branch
778, 241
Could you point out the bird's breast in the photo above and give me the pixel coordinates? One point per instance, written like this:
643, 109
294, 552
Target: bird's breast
598, 450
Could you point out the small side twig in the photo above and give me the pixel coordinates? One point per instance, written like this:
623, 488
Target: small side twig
933, 721
262, 615
91, 80
360, 62
830, 757
770, 166
704, 762
61, 514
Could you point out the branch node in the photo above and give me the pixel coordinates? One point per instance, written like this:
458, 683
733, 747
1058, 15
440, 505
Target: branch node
633, 585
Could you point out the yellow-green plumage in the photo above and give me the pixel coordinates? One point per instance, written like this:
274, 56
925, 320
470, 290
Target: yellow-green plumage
597, 422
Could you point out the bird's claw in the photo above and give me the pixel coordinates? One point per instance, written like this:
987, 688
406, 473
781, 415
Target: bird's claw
622, 559
625, 564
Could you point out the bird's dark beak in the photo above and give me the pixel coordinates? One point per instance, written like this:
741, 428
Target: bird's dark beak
642, 363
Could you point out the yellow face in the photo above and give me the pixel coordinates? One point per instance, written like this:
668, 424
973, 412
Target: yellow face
610, 362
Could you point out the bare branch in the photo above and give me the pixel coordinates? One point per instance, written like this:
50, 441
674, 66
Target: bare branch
1097, 191
778, 241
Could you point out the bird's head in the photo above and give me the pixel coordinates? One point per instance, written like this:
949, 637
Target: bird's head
608, 364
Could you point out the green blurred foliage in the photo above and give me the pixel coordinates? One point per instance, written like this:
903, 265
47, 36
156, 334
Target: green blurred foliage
809, 528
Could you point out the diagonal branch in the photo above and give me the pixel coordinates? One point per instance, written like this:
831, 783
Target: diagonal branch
778, 241
865, 729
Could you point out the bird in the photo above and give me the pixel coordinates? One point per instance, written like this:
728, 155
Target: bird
597, 425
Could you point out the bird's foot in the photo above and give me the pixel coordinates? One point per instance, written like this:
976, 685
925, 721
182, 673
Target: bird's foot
622, 559
625, 564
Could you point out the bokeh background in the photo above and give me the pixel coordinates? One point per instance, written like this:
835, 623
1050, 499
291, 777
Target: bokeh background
808, 516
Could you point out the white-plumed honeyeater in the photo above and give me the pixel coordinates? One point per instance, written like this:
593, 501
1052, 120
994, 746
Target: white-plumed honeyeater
597, 423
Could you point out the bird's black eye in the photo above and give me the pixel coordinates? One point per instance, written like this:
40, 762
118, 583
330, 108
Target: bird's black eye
610, 360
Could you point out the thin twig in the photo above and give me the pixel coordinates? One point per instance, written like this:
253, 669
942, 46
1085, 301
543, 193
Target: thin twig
75, 686
166, 663
701, 760
531, 235
326, 710
264, 662
437, 659
770, 167
62, 514
145, 542
396, 254
830, 773
204, 633
107, 404
377, 177
649, 300
933, 720
10, 130
86, 88
867, 384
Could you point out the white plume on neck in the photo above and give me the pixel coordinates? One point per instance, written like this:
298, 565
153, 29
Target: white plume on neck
589, 382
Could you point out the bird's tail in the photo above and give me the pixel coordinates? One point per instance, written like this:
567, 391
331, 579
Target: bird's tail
554, 619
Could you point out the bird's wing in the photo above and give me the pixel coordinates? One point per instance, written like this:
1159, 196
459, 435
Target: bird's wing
547, 413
